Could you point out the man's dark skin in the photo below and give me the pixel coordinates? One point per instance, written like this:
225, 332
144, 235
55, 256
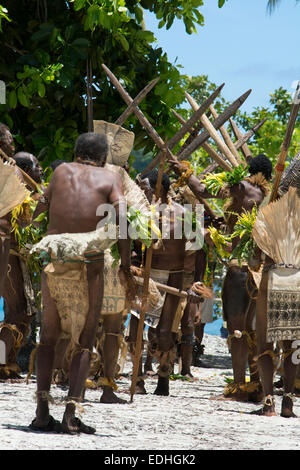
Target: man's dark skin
30, 164
12, 283
82, 188
238, 307
7, 145
169, 256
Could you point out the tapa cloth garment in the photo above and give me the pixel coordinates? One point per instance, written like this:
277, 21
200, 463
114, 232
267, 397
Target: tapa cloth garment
283, 305
66, 246
12, 191
114, 297
133, 194
120, 141
152, 316
68, 286
207, 310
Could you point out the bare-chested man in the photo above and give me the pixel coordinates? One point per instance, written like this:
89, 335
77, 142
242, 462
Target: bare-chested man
75, 192
167, 267
17, 315
238, 307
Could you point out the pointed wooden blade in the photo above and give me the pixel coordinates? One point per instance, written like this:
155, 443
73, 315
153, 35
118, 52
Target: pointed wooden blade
196, 116
219, 160
227, 139
136, 110
213, 133
249, 134
136, 101
238, 135
187, 127
230, 111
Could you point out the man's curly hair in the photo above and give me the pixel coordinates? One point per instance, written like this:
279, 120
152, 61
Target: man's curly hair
261, 164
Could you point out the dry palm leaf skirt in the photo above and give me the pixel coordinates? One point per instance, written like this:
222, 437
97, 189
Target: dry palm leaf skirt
277, 233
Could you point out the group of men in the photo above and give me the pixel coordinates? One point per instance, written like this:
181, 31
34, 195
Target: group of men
73, 282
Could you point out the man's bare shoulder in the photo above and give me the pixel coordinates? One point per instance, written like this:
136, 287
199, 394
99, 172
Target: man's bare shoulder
78, 168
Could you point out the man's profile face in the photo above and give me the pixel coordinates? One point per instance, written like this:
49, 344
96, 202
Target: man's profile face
36, 172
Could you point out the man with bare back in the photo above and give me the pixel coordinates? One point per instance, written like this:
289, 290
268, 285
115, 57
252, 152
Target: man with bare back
238, 307
75, 192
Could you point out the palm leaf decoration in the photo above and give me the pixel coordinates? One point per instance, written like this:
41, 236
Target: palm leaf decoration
216, 181
243, 230
220, 241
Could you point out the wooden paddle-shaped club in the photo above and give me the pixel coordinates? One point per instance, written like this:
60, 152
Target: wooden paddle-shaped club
187, 127
223, 117
213, 132
220, 161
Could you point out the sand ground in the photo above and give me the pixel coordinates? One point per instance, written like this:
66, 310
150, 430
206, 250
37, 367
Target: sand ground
190, 419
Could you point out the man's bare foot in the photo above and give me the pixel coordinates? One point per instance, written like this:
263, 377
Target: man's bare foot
109, 397
256, 397
268, 409
46, 425
72, 425
9, 375
162, 386
140, 388
148, 369
265, 411
150, 373
186, 372
287, 408
239, 396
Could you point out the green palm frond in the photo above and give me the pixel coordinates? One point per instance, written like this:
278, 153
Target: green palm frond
215, 181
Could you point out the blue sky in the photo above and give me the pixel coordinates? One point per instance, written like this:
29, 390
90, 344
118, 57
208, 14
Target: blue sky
240, 45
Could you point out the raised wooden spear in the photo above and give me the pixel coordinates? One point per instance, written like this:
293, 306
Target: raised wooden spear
136, 102
238, 135
220, 161
138, 347
213, 132
244, 139
204, 135
143, 120
187, 127
149, 128
279, 168
227, 139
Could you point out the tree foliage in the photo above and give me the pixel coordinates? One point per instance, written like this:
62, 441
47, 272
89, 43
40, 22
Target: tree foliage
45, 48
